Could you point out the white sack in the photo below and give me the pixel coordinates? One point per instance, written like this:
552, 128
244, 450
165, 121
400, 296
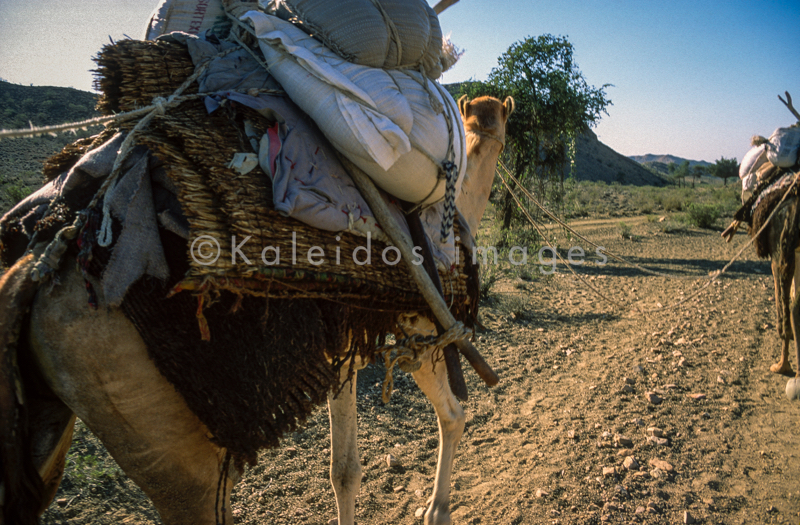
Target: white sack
358, 32
186, 16
783, 148
381, 120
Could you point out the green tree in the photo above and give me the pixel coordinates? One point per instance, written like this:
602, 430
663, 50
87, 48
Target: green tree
553, 105
697, 172
725, 169
680, 172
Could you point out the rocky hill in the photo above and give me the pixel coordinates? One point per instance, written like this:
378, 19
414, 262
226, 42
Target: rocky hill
594, 161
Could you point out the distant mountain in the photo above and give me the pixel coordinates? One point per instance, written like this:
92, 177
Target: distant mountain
655, 160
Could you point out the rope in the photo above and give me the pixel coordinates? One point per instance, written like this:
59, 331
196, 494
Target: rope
716, 275
392, 29
539, 231
409, 349
578, 235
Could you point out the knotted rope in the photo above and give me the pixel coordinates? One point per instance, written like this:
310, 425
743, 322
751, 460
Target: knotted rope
406, 353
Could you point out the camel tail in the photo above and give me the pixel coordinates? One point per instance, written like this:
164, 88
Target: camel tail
21, 487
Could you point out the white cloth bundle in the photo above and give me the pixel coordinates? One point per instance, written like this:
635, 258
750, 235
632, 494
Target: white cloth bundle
376, 33
783, 147
383, 121
186, 16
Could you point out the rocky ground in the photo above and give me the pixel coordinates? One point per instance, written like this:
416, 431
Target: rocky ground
604, 414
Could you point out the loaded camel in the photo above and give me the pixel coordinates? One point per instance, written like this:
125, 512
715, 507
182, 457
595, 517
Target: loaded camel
780, 241
773, 200
93, 364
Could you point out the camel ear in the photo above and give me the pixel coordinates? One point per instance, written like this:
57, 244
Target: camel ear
508, 106
463, 106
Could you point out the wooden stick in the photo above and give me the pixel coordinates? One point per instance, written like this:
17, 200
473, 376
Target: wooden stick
788, 104
442, 5
426, 287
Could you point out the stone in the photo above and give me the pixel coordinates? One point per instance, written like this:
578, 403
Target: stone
399, 488
657, 473
625, 452
623, 441
640, 510
688, 519
541, 493
630, 463
609, 471
653, 398
391, 461
630, 381
793, 389
655, 431
62, 502
420, 513
666, 466
627, 389
661, 442
696, 397
638, 369
642, 474
418, 493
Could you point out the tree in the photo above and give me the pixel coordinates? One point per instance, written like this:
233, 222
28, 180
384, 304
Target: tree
680, 172
725, 169
554, 104
697, 172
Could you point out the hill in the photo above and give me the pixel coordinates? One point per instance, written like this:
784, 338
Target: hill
664, 160
21, 159
21, 106
594, 161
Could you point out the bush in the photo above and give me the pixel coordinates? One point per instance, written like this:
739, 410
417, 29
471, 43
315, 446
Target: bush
703, 215
673, 203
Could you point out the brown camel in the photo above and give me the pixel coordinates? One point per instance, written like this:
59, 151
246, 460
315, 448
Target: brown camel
93, 364
780, 241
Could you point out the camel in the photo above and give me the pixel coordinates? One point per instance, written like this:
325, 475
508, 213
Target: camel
93, 364
786, 276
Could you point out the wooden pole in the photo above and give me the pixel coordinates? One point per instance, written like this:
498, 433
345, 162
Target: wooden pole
428, 290
442, 5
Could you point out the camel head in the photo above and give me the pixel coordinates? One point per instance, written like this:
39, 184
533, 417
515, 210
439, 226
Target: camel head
485, 124
486, 116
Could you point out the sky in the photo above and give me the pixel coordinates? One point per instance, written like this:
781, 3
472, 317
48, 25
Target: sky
690, 78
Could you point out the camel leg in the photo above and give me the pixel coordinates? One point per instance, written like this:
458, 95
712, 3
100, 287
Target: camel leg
345, 461
432, 380
97, 364
782, 310
51, 436
796, 311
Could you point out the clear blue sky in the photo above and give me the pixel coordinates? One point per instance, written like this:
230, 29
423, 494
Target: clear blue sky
690, 78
